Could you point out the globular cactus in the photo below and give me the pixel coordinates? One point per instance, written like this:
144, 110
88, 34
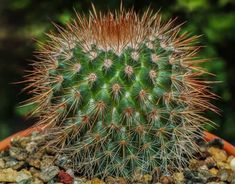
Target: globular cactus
121, 92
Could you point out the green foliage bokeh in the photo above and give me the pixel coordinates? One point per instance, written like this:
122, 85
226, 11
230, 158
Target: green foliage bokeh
23, 21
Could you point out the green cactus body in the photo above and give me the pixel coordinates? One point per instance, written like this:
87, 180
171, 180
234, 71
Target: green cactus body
121, 92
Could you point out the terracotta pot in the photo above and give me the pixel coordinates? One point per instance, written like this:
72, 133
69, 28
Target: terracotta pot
229, 148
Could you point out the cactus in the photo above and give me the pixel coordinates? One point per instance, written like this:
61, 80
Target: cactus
121, 93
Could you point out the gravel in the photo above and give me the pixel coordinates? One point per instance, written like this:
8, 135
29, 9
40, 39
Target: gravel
26, 163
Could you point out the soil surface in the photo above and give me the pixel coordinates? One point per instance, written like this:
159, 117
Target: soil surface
25, 163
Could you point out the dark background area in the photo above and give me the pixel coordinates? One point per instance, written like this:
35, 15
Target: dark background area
24, 21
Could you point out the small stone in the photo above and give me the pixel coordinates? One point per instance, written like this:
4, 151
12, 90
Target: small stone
217, 143
195, 164
18, 153
34, 162
110, 179
31, 147
121, 180
203, 155
70, 172
20, 142
156, 175
97, 181
39, 154
2, 153
63, 162
34, 159
79, 180
35, 137
213, 171
223, 165
48, 173
210, 162
35, 172
13, 163
166, 180
37, 181
8, 175
196, 177
47, 161
115, 180
65, 178
223, 174
230, 157
178, 178
147, 178
231, 177
2, 163
203, 175
137, 177
203, 167
218, 154
232, 164
24, 177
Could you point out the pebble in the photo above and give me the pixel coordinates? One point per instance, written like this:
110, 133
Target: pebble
230, 157
37, 181
218, 154
232, 164
231, 178
35, 172
48, 173
193, 163
63, 161
137, 177
213, 171
166, 180
203, 167
31, 147
223, 165
47, 161
8, 175
194, 177
147, 178
223, 175
2, 163
115, 180
210, 162
178, 178
203, 175
80, 181
2, 153
95, 181
18, 153
20, 142
13, 163
24, 177
33, 161
65, 178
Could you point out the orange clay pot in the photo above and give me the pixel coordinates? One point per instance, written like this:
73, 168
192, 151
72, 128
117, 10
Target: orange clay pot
229, 148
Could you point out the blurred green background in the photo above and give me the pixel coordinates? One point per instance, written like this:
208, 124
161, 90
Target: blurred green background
24, 21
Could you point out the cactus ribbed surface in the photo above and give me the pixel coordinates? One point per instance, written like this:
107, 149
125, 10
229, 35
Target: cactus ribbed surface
121, 92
